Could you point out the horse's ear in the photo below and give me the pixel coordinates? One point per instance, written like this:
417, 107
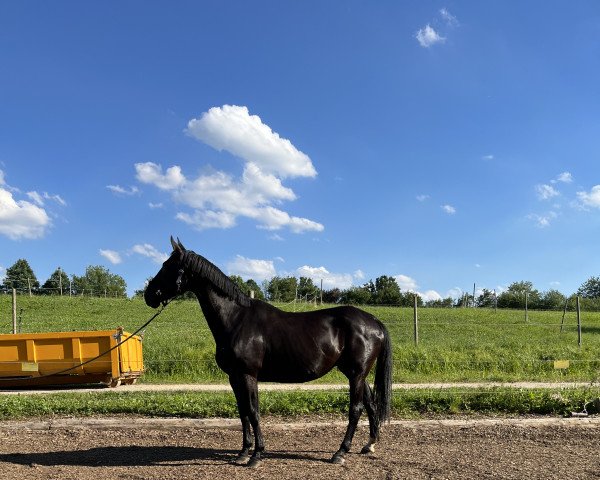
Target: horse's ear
183, 249
176, 247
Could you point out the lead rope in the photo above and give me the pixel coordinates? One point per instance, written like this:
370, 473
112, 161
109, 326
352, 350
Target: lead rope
60, 372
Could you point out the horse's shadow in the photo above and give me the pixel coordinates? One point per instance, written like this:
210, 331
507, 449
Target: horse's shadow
132, 456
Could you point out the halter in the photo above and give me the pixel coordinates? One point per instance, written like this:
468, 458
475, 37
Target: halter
179, 280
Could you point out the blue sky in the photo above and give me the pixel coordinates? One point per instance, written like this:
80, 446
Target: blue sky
444, 143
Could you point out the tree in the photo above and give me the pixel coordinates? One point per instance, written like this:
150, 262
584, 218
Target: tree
332, 296
590, 288
282, 289
253, 286
57, 283
248, 286
99, 281
486, 299
552, 300
357, 296
514, 296
387, 291
20, 276
307, 289
447, 302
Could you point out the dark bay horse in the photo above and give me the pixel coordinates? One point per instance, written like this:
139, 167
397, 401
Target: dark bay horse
256, 341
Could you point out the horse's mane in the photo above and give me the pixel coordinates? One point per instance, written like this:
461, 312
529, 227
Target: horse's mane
199, 265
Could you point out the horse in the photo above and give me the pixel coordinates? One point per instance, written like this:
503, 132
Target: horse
256, 341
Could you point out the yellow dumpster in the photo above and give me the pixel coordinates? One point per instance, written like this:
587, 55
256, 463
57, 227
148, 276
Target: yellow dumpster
38, 358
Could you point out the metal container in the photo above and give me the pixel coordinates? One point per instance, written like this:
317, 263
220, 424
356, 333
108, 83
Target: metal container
32, 359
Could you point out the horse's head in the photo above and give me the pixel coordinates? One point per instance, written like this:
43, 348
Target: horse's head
169, 281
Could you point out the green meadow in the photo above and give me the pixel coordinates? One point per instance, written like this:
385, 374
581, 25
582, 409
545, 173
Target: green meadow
461, 344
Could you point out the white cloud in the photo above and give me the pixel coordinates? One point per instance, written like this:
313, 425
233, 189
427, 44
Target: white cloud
487, 157
591, 198
112, 256
422, 198
149, 251
20, 218
204, 219
406, 283
36, 198
56, 198
119, 190
218, 198
545, 192
154, 206
542, 221
251, 268
449, 209
330, 280
428, 37
455, 292
358, 275
450, 19
233, 129
429, 295
565, 177
149, 172
276, 237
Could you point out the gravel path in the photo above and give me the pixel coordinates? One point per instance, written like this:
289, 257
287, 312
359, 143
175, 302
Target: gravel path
119, 448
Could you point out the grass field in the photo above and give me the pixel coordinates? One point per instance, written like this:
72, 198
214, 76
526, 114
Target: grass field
405, 404
455, 344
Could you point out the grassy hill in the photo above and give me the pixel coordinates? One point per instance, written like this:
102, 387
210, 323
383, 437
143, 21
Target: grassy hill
455, 344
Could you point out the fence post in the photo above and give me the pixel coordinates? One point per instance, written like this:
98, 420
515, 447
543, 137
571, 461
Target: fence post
578, 323
562, 321
14, 310
495, 302
321, 291
526, 310
29, 285
416, 322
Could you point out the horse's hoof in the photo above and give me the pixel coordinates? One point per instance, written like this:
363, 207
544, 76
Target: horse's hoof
368, 449
338, 459
241, 459
254, 462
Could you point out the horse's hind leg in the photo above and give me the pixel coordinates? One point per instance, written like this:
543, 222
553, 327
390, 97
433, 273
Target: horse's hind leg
373, 421
356, 407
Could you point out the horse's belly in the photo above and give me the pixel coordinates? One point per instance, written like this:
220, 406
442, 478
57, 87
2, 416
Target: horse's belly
288, 372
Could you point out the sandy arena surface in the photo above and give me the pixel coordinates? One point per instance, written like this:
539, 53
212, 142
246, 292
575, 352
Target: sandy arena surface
123, 448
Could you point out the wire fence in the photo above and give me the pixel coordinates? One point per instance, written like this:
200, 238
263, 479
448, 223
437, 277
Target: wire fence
453, 343
65, 292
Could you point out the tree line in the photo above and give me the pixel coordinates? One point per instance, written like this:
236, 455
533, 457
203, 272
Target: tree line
96, 280
99, 281
386, 291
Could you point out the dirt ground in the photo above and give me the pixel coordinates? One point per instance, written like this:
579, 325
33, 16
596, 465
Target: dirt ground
125, 448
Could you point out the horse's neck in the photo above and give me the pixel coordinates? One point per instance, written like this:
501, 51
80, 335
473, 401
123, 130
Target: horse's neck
221, 313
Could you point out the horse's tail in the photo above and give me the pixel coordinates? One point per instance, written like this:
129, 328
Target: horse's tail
382, 391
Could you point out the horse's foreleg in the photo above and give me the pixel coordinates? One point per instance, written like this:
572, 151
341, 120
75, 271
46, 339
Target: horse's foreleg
356, 407
249, 397
373, 421
243, 408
